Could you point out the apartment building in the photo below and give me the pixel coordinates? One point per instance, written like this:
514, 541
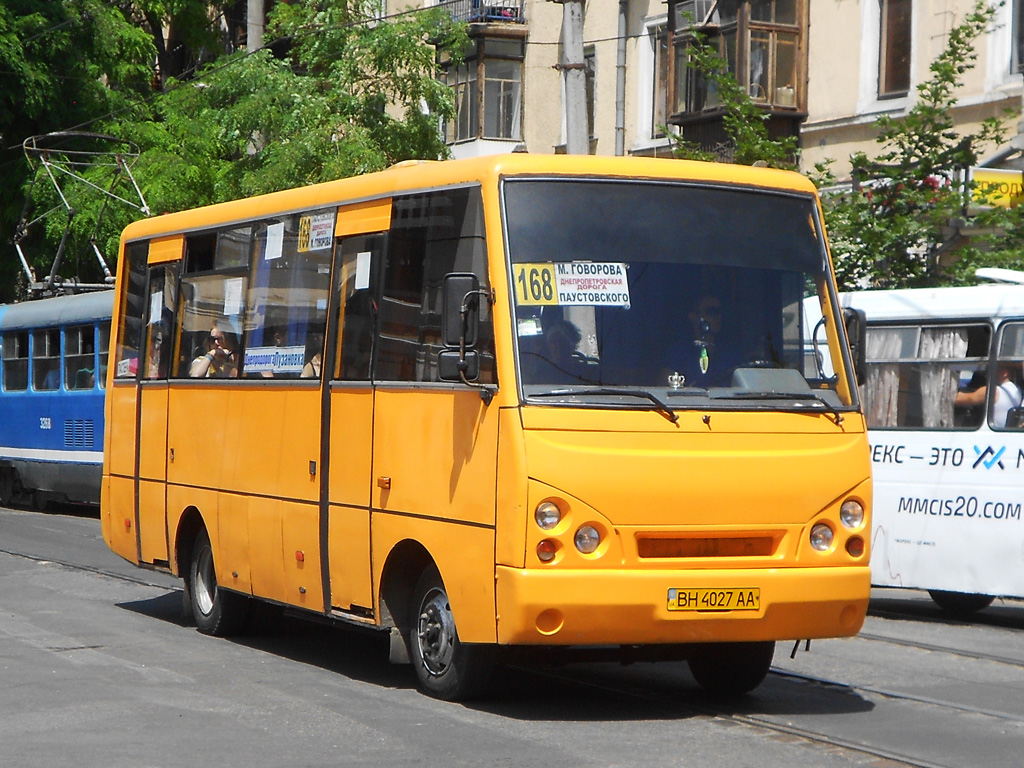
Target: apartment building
823, 71
867, 57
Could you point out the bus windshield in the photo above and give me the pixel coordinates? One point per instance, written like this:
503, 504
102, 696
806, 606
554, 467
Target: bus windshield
693, 294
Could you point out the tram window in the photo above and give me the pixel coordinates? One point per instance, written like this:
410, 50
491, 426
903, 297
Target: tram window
46, 359
80, 357
15, 358
287, 307
104, 331
431, 235
914, 375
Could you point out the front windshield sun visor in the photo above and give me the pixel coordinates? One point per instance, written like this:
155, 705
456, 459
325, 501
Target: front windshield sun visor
686, 295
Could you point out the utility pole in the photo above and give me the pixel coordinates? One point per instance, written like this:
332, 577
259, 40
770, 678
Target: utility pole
574, 79
255, 25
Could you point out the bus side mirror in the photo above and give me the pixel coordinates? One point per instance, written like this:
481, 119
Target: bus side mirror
460, 312
451, 365
856, 332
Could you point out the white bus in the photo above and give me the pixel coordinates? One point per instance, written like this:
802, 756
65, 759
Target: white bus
941, 389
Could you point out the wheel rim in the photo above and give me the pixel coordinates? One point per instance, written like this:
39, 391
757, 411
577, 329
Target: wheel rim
206, 582
435, 635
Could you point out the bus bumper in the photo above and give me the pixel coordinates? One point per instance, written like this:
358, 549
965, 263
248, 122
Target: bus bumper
612, 607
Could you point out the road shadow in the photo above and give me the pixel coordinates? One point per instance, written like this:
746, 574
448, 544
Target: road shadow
1007, 613
585, 692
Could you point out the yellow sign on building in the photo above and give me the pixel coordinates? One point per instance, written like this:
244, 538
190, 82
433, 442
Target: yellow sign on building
994, 186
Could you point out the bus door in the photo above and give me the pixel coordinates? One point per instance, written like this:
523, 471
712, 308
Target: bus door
433, 476
348, 410
152, 451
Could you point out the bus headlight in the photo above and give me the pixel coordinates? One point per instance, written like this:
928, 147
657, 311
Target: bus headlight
547, 515
587, 539
821, 537
851, 514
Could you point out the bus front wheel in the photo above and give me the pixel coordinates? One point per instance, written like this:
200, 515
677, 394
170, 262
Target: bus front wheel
731, 669
445, 667
216, 611
960, 603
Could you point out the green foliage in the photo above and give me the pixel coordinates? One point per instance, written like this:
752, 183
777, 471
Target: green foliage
744, 121
891, 231
62, 64
348, 98
345, 94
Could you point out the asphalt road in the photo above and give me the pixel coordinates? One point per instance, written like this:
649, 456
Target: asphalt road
98, 668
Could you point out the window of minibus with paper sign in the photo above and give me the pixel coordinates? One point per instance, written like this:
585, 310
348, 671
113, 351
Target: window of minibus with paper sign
680, 294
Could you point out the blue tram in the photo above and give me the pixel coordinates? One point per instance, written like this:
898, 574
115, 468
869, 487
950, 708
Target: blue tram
53, 358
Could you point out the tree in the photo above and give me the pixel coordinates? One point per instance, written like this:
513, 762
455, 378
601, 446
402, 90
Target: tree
902, 215
339, 91
62, 63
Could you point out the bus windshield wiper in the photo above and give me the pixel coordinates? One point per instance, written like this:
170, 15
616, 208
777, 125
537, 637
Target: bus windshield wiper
662, 408
836, 416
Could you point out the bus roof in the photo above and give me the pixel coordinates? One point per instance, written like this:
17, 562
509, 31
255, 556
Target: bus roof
60, 310
412, 176
980, 301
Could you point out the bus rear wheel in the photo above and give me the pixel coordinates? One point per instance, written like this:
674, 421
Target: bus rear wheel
216, 611
960, 603
731, 669
445, 667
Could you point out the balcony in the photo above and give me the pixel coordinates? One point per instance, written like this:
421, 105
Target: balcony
486, 11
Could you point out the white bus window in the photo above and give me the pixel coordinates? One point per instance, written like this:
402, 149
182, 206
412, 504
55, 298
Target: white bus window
920, 377
1007, 411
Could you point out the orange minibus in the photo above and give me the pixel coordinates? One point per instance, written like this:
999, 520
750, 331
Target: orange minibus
509, 404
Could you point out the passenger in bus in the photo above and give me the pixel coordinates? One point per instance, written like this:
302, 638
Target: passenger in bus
314, 356
1007, 396
221, 357
559, 361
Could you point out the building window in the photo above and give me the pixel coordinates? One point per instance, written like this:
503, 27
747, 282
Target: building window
894, 47
590, 74
1017, 60
659, 97
761, 42
497, 64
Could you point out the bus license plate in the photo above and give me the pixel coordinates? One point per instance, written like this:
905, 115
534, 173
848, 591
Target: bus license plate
701, 599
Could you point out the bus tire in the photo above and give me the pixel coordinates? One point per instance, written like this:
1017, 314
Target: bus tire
445, 668
731, 669
960, 603
216, 611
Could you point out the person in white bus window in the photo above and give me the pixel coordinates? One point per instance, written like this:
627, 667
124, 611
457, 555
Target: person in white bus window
1007, 396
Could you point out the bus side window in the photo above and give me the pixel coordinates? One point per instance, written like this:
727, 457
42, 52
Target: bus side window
358, 258
1007, 403
287, 305
212, 299
133, 303
431, 235
163, 287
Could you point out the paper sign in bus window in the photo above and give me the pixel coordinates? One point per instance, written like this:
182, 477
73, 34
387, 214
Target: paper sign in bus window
572, 283
316, 232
